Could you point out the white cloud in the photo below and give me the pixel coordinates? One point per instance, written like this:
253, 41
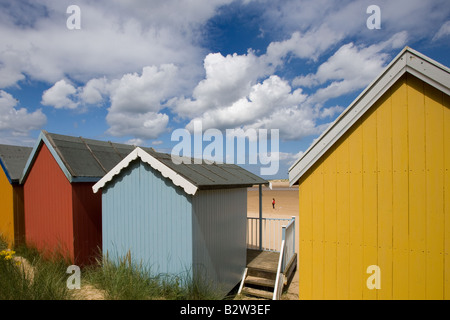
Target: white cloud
141, 125
349, 69
60, 96
115, 38
444, 31
261, 100
227, 80
135, 142
17, 122
142, 93
94, 91
135, 99
231, 96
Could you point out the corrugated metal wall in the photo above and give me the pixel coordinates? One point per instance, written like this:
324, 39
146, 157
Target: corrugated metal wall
87, 223
6, 208
219, 235
146, 214
380, 197
48, 206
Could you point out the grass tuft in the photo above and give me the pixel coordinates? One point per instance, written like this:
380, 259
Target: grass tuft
25, 274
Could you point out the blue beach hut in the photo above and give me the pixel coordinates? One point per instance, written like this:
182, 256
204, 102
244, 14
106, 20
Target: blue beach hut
177, 218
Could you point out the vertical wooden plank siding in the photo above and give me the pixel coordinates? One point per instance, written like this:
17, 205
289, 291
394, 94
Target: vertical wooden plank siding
384, 199
48, 207
400, 180
6, 209
434, 172
305, 239
148, 216
87, 223
329, 227
381, 196
417, 188
354, 193
446, 117
219, 236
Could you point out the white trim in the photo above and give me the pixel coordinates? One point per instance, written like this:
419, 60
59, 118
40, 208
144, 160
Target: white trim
409, 61
167, 172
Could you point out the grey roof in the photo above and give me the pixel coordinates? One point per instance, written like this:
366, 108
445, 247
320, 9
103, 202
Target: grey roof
210, 175
86, 157
89, 160
13, 160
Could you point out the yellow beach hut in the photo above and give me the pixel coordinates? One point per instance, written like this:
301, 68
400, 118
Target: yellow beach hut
374, 191
12, 162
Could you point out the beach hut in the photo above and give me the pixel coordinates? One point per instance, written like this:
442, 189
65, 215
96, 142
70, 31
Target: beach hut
185, 220
12, 161
62, 214
374, 210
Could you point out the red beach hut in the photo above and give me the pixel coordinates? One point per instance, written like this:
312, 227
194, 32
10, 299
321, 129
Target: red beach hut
62, 214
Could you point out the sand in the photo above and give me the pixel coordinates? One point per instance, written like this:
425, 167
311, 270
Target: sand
286, 200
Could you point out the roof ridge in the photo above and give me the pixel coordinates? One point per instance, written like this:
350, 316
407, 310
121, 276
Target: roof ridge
54, 146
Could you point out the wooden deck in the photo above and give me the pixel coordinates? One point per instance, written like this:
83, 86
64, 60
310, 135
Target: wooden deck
262, 260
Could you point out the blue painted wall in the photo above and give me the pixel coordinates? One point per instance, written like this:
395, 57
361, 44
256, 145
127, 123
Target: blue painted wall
145, 213
201, 236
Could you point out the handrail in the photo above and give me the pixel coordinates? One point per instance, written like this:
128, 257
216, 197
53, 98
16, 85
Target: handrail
278, 282
287, 251
288, 235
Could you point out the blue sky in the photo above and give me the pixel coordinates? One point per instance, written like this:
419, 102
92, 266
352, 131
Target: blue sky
136, 71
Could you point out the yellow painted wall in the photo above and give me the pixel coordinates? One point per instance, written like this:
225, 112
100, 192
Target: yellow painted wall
6, 208
381, 196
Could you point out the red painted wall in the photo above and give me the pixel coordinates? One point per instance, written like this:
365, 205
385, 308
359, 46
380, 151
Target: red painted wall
48, 206
60, 216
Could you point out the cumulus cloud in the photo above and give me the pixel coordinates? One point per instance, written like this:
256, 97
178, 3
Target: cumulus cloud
147, 125
232, 96
17, 122
115, 38
60, 96
262, 100
136, 102
143, 92
143, 60
227, 79
350, 68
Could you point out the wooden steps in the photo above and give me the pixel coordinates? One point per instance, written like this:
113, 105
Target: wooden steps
260, 276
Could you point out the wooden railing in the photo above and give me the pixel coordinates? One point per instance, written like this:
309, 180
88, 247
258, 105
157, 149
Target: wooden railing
266, 236
287, 252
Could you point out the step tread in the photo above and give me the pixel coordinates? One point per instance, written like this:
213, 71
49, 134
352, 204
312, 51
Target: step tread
257, 292
264, 282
